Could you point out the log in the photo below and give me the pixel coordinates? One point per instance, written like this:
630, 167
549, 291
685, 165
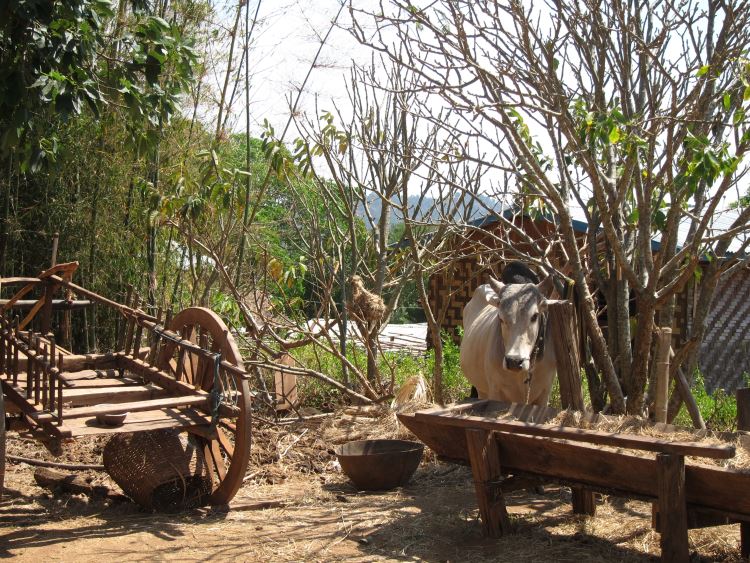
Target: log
69, 482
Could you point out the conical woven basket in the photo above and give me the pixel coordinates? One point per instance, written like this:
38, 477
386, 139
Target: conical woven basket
161, 470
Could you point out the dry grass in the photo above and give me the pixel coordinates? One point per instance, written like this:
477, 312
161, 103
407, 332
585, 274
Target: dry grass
320, 517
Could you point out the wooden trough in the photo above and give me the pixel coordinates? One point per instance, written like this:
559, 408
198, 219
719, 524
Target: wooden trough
185, 373
509, 454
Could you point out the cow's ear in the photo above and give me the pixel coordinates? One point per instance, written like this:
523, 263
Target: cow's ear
497, 286
546, 286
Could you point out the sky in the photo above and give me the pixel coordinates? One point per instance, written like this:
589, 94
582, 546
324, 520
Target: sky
285, 43
286, 40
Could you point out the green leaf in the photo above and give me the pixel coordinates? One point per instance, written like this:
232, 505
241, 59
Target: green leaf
728, 100
614, 135
746, 94
702, 70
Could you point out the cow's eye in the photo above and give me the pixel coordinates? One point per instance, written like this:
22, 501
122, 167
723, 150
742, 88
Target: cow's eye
534, 317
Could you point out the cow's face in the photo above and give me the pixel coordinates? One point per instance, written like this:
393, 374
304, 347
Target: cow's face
520, 308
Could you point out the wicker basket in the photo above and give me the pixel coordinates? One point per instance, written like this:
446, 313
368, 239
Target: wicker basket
161, 470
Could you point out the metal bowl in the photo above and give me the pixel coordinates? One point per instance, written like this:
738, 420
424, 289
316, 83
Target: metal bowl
111, 418
378, 465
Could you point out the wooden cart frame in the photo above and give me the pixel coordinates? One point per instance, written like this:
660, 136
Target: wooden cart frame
186, 374
509, 454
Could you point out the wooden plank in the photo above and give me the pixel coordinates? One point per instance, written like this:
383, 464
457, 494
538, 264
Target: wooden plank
670, 472
149, 405
121, 394
91, 374
485, 467
448, 442
140, 421
102, 382
724, 451
91, 361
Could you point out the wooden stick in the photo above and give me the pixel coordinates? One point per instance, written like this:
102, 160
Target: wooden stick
60, 391
56, 464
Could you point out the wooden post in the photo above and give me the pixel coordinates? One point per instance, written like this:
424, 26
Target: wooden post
670, 473
564, 333
2, 443
60, 390
285, 384
663, 345
485, 466
743, 423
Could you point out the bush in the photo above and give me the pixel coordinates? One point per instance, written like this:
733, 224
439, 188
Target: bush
718, 409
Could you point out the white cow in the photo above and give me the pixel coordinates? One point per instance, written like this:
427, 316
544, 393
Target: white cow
506, 352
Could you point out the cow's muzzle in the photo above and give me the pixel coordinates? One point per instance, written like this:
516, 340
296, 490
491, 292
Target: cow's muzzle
514, 363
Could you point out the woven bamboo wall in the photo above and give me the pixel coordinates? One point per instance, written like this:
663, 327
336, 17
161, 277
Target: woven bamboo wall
725, 352
451, 289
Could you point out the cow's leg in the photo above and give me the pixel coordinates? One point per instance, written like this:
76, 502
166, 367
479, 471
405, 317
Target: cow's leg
485, 466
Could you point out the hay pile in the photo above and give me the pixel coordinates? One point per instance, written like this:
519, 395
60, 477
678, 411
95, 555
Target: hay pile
307, 447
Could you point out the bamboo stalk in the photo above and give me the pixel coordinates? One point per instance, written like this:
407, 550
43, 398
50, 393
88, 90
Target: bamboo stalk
664, 339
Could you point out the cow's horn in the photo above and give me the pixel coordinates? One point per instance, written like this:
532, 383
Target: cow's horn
497, 285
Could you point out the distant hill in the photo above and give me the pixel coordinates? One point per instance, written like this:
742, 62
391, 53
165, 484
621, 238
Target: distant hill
429, 211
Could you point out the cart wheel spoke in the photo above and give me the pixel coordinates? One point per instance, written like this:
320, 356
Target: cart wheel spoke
224, 442
227, 455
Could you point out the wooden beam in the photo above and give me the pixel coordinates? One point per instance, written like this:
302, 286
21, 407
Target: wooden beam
138, 406
57, 304
698, 449
485, 467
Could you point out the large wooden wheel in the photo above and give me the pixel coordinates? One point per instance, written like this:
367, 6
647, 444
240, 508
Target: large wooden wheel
227, 449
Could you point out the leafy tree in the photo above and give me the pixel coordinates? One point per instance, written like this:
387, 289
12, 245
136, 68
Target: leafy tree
633, 111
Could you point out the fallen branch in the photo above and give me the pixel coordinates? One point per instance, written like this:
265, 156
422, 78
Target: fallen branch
58, 465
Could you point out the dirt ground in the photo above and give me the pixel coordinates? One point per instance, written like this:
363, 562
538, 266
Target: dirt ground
296, 505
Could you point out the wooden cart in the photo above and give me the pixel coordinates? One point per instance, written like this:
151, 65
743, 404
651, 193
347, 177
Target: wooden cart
188, 375
509, 454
